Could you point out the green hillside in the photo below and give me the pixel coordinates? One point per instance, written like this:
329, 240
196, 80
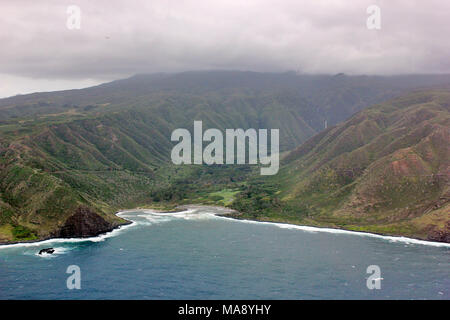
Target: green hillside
108, 147
385, 170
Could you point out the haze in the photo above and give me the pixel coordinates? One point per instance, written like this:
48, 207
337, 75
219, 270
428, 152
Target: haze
121, 38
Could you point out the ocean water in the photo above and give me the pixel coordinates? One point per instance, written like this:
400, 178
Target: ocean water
197, 255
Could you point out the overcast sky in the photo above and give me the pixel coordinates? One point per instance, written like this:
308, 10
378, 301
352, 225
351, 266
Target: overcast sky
117, 39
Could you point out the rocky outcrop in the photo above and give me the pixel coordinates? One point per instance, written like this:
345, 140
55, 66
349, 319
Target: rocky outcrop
440, 235
84, 223
46, 250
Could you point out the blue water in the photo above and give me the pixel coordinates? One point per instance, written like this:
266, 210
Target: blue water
196, 255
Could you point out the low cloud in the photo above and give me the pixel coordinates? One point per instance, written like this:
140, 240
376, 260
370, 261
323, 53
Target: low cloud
121, 38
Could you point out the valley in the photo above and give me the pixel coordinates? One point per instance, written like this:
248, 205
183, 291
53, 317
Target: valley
106, 148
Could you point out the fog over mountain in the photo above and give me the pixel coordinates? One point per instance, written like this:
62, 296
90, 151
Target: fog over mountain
117, 39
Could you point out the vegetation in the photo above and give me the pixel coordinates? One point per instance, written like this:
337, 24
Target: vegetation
108, 147
384, 170
23, 233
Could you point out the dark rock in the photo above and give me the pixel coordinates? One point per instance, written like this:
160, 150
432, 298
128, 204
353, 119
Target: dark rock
47, 250
440, 235
84, 223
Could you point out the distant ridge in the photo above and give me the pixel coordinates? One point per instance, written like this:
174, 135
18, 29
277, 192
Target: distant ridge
108, 147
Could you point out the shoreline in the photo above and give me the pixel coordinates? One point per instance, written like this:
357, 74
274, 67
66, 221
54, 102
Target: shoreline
100, 235
313, 229
229, 214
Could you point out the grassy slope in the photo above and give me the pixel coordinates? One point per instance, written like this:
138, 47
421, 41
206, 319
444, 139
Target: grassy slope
385, 170
105, 163
107, 147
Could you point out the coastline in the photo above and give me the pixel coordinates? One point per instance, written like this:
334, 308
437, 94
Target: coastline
229, 214
314, 229
119, 226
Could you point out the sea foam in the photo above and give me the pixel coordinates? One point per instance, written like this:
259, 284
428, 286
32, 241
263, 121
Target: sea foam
341, 231
148, 217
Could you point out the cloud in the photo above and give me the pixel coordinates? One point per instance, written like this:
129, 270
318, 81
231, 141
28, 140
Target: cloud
121, 38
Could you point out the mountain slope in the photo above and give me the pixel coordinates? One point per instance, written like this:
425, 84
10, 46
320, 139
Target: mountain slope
385, 170
108, 147
297, 104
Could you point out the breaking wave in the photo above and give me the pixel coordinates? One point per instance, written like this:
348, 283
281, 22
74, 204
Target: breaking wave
148, 217
348, 232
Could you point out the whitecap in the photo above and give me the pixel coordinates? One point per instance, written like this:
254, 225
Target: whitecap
348, 232
58, 251
98, 238
153, 217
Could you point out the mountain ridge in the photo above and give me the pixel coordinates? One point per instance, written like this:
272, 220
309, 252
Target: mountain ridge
111, 151
385, 170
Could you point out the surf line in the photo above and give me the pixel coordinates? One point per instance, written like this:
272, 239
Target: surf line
100, 237
341, 231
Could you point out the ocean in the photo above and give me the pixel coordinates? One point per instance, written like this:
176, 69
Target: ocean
196, 254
